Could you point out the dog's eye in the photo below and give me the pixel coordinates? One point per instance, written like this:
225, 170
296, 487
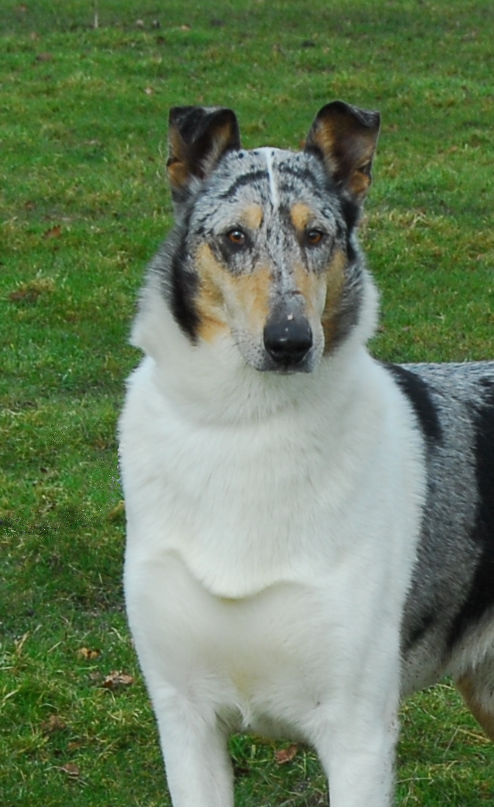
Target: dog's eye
236, 237
313, 237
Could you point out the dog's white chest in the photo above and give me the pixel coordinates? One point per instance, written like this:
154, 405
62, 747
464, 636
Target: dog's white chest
248, 507
260, 662
246, 563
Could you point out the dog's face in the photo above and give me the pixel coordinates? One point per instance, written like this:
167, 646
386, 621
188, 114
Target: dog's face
264, 252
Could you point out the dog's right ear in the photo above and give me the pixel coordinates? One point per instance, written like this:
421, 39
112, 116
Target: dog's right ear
198, 138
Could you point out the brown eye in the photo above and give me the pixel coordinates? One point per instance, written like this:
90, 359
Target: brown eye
313, 237
236, 236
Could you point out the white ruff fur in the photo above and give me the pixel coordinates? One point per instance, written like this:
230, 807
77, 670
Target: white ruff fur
254, 596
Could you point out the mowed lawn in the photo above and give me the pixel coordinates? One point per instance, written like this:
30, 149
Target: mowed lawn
83, 205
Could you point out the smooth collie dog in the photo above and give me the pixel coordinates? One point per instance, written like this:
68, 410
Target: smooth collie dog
310, 530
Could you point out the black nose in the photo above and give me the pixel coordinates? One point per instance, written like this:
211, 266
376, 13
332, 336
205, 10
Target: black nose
288, 340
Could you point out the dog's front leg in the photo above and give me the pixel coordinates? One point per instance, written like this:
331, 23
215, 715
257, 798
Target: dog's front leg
361, 768
357, 749
198, 767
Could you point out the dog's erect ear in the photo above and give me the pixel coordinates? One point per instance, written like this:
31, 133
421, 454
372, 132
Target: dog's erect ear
198, 138
345, 137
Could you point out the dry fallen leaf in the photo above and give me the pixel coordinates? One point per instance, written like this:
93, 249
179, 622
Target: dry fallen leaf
30, 291
116, 512
53, 232
53, 724
116, 679
88, 653
71, 769
19, 644
286, 755
73, 745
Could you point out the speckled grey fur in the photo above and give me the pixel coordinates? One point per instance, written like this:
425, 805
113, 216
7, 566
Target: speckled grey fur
453, 544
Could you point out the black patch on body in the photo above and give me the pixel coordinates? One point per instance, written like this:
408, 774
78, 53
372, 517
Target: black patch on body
481, 594
425, 622
418, 393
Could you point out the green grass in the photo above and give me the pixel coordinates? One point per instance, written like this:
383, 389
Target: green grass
83, 206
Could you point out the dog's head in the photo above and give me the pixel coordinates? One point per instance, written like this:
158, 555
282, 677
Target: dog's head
264, 253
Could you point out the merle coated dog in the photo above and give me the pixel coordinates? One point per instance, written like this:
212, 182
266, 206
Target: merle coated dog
310, 531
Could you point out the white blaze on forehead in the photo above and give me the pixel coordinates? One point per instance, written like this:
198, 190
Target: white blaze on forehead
273, 189
285, 278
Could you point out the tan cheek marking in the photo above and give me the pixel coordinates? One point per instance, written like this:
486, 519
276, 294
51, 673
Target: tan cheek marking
246, 296
252, 293
210, 299
335, 275
309, 284
300, 214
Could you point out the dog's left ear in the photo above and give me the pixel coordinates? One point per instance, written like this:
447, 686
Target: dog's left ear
345, 137
198, 138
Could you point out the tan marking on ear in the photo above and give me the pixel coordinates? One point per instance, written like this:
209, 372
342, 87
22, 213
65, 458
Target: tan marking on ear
178, 171
243, 298
466, 686
300, 215
335, 276
347, 146
222, 138
359, 178
252, 216
359, 183
323, 138
176, 146
195, 154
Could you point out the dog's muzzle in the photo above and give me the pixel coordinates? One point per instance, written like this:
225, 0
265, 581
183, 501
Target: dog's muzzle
287, 340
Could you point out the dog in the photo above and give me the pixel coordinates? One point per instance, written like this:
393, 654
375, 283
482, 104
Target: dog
310, 531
